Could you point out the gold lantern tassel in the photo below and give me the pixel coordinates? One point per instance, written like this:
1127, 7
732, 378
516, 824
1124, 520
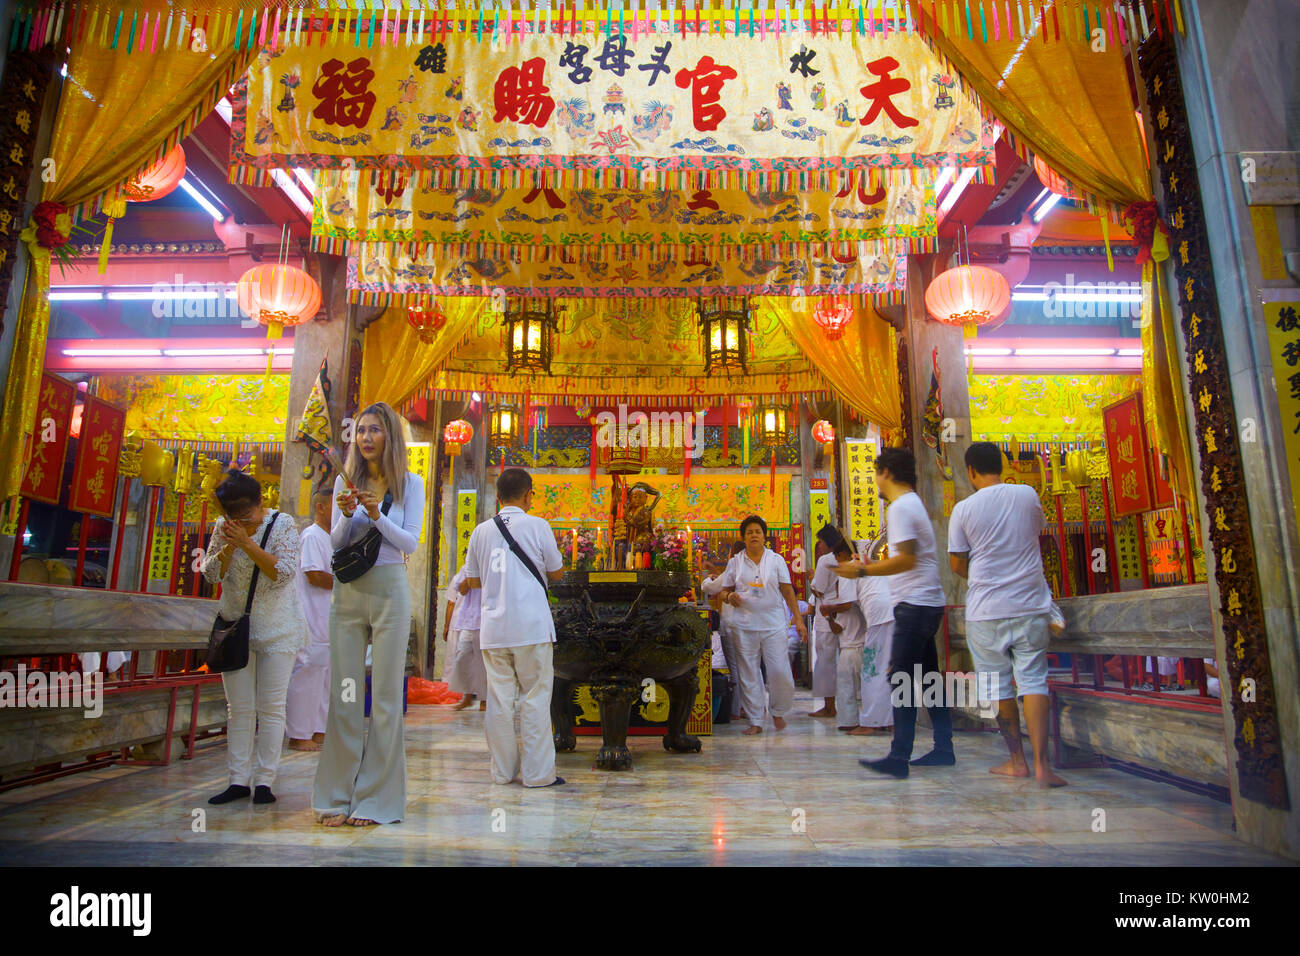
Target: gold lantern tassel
114, 209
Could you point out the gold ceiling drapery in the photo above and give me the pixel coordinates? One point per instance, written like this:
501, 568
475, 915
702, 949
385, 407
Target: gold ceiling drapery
651, 349
118, 111
1070, 104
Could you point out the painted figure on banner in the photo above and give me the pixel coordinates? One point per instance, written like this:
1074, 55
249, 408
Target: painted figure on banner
819, 96
783, 97
290, 83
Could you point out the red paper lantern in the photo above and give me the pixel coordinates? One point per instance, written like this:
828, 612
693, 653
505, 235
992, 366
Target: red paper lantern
278, 295
427, 318
969, 296
823, 431
834, 317
456, 434
1053, 180
159, 180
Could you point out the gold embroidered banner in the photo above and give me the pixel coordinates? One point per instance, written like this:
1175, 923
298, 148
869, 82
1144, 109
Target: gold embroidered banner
785, 111
719, 501
376, 277
874, 205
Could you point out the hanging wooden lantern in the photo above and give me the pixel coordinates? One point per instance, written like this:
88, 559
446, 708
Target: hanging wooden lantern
427, 318
503, 424
530, 333
1053, 180
773, 424
969, 296
278, 295
833, 316
456, 434
724, 324
159, 180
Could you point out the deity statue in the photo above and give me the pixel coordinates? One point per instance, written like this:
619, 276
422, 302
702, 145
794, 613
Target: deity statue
640, 514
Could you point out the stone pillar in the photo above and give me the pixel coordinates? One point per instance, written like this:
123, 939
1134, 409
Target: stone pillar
1239, 83
924, 336
329, 337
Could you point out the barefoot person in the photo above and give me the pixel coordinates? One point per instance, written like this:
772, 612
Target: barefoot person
757, 584
865, 618
517, 632
361, 776
465, 674
826, 644
993, 543
918, 609
308, 705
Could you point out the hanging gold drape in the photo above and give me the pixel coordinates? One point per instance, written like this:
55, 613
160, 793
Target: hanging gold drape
395, 363
116, 114
1067, 103
861, 366
1072, 106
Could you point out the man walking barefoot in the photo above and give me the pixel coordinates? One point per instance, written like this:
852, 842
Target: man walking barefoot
993, 543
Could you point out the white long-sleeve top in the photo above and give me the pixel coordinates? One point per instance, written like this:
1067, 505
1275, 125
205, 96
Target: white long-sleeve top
400, 528
275, 623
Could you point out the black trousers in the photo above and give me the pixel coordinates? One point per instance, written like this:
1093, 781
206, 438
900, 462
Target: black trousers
914, 629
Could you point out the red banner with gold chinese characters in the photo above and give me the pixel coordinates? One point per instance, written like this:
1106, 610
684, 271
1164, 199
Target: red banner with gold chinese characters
95, 477
43, 479
1126, 444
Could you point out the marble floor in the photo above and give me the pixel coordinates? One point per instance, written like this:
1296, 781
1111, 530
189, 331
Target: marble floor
788, 799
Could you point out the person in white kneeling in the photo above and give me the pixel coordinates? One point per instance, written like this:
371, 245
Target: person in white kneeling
516, 631
308, 703
757, 584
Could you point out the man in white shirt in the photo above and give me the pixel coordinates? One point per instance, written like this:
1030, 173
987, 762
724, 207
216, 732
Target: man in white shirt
826, 644
993, 543
918, 611
307, 705
757, 584
516, 632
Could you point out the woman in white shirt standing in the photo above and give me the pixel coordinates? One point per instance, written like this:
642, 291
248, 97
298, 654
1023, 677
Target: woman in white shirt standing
255, 694
361, 778
757, 583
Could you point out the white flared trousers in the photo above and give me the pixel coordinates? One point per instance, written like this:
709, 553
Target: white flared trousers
364, 774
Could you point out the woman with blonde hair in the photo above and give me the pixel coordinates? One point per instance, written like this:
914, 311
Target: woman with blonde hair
361, 778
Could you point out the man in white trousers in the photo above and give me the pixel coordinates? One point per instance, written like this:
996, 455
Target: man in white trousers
516, 631
307, 705
757, 584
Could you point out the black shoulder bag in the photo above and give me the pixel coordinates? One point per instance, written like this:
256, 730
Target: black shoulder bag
228, 642
519, 553
350, 562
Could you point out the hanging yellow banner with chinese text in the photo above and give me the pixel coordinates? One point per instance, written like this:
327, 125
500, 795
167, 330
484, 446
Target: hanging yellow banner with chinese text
781, 112
875, 208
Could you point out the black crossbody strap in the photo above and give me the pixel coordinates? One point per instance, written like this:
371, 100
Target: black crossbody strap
519, 552
252, 584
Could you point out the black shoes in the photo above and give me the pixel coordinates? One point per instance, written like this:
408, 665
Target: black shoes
888, 766
231, 792
935, 758
557, 782
263, 794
